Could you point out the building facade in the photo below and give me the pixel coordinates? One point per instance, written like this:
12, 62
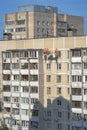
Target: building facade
79, 88
53, 86
40, 22
22, 85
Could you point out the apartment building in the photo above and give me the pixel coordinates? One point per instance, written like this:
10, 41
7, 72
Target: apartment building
79, 88
53, 58
36, 21
22, 88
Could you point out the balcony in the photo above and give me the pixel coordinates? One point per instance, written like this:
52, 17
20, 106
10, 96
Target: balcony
6, 60
25, 117
6, 71
85, 98
76, 84
34, 71
23, 106
15, 60
76, 72
24, 71
24, 94
8, 94
84, 58
85, 72
34, 118
77, 110
33, 95
6, 82
24, 83
33, 60
76, 98
76, 59
7, 104
77, 123
15, 72
15, 83
34, 83
16, 94
6, 115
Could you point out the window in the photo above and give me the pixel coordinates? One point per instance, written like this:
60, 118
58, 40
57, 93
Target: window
24, 65
86, 78
7, 99
48, 78
68, 67
48, 66
6, 54
38, 22
16, 77
48, 90
76, 91
58, 80
33, 54
25, 100
76, 104
49, 114
15, 99
6, 88
59, 54
15, 54
34, 89
59, 102
85, 91
22, 29
76, 78
25, 112
59, 114
24, 77
43, 22
59, 126
16, 122
77, 66
68, 78
58, 90
9, 22
34, 124
24, 54
15, 88
16, 111
68, 90
59, 66
34, 112
15, 65
33, 77
76, 53
33, 65
34, 100
68, 54
6, 77
19, 22
25, 123
85, 65
6, 66
25, 89
85, 105
48, 102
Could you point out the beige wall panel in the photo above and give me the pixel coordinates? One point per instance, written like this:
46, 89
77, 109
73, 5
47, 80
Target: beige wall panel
58, 42
69, 42
80, 41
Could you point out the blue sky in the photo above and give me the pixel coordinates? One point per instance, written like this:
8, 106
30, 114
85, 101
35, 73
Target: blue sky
73, 7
